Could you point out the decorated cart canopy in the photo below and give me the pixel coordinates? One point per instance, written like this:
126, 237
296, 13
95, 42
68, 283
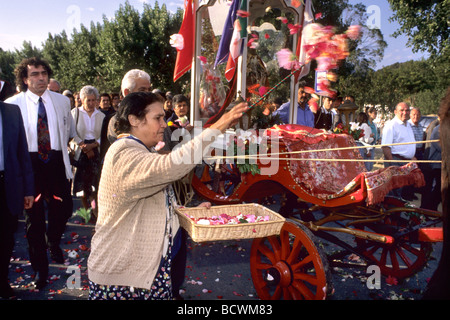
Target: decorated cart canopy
244, 50
247, 48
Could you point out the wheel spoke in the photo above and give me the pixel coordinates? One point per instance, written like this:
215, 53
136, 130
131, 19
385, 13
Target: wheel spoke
401, 253
297, 246
302, 263
383, 257
394, 261
265, 251
285, 245
371, 252
414, 251
277, 294
307, 278
303, 289
295, 293
262, 266
276, 247
287, 293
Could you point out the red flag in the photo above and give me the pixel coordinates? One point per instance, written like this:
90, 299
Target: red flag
239, 33
235, 50
185, 55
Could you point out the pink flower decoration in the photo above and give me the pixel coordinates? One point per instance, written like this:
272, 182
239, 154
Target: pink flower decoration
252, 43
177, 41
283, 19
262, 90
203, 59
183, 121
353, 32
324, 63
242, 13
294, 28
287, 60
313, 105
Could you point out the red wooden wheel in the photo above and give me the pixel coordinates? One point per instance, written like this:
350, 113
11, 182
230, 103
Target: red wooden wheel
289, 266
406, 255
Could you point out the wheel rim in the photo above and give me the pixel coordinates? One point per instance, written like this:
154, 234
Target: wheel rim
404, 257
288, 266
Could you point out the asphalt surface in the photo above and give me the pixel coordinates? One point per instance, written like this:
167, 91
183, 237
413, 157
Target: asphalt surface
217, 270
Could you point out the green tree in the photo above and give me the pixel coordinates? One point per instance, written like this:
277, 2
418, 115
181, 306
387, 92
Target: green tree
121, 46
160, 57
28, 50
8, 60
82, 64
426, 24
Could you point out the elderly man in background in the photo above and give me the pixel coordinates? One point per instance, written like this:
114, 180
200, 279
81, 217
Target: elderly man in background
398, 130
419, 132
419, 135
54, 86
134, 81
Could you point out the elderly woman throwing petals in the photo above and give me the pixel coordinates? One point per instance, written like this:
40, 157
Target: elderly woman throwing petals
131, 249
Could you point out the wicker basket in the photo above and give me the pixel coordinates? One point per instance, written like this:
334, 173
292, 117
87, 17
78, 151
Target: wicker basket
201, 233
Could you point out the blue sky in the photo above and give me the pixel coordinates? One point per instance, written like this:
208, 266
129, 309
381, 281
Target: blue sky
32, 20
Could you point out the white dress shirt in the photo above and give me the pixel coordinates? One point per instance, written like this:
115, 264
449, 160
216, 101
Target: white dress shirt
31, 127
397, 131
89, 122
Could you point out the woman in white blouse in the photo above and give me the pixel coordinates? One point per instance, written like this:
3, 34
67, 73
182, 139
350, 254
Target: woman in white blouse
362, 119
88, 120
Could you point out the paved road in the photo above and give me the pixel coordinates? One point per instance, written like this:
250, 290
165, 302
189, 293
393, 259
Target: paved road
215, 271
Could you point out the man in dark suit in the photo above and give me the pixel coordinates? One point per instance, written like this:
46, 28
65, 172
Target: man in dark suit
6, 90
49, 126
17, 174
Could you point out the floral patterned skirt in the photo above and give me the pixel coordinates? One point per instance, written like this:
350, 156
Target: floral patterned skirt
161, 288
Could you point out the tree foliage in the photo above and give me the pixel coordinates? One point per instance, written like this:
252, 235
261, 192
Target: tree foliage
426, 23
421, 83
102, 53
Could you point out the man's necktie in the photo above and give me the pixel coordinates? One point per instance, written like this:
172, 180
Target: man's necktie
43, 133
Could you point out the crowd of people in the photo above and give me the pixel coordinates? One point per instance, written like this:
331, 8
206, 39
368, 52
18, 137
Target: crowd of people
131, 184
56, 144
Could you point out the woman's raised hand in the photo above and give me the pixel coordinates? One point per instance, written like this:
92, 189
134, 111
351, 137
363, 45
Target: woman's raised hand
230, 118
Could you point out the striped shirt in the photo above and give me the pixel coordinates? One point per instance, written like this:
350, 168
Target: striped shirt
418, 133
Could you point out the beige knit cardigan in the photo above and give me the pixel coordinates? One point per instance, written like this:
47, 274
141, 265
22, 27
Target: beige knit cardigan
127, 246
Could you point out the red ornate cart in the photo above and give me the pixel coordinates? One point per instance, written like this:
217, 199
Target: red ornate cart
320, 199
319, 178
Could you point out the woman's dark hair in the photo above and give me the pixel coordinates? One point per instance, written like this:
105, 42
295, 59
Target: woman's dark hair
180, 98
134, 104
21, 70
362, 118
371, 110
